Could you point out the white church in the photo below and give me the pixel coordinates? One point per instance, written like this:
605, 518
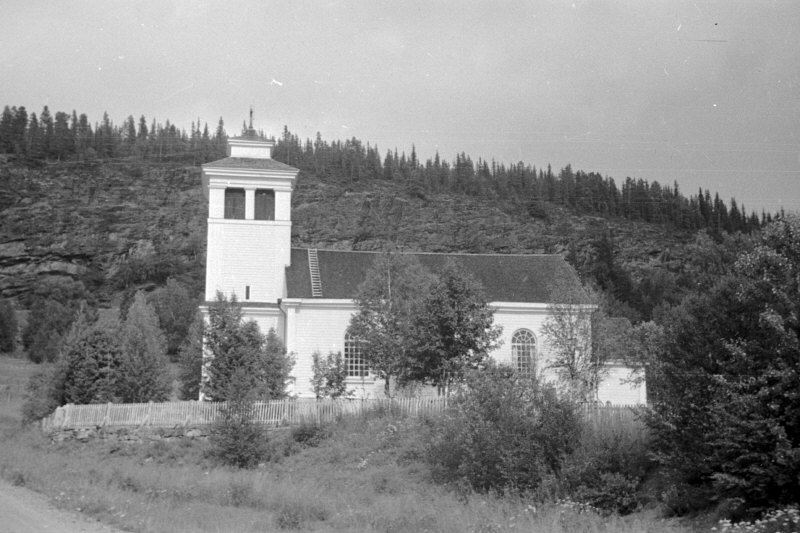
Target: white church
306, 295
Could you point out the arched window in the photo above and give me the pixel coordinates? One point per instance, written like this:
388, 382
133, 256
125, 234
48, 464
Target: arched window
523, 351
353, 360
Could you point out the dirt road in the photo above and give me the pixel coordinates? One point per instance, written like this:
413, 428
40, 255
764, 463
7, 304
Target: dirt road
25, 511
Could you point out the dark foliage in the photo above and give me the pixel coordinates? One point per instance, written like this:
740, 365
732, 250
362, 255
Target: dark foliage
190, 360
329, 375
8, 327
236, 440
235, 345
175, 309
725, 418
91, 366
507, 433
55, 304
454, 329
310, 434
608, 469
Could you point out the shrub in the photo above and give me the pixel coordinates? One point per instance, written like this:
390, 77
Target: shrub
175, 309
44, 392
607, 469
775, 521
54, 305
8, 327
506, 433
190, 361
47, 323
329, 375
310, 434
236, 440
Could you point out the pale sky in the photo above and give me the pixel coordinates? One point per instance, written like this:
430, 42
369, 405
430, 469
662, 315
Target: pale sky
703, 93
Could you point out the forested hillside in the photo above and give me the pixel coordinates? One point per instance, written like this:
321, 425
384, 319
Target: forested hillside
120, 207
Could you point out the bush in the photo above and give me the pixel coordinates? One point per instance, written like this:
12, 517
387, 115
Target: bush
775, 521
236, 440
190, 361
43, 394
329, 378
175, 309
48, 321
607, 469
54, 306
506, 433
8, 327
310, 434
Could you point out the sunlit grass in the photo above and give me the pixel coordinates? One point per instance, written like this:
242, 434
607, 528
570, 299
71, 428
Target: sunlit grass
368, 475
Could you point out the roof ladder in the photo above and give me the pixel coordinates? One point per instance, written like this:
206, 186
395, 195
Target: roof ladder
313, 269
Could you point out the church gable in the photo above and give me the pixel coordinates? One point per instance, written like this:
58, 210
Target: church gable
505, 278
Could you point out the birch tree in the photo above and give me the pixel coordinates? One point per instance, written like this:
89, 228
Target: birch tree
568, 330
388, 301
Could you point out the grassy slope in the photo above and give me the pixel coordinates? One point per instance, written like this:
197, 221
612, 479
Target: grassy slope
369, 475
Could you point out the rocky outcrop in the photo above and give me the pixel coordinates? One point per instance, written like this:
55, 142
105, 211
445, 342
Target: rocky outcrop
81, 220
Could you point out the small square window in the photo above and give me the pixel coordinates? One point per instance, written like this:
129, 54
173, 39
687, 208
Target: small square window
234, 203
265, 204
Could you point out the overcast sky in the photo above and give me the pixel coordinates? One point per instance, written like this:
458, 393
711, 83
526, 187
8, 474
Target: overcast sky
703, 93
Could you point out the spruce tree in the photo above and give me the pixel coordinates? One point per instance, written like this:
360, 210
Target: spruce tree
143, 374
233, 344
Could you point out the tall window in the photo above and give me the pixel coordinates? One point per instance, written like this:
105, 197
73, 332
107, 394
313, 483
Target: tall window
353, 360
265, 204
234, 203
523, 351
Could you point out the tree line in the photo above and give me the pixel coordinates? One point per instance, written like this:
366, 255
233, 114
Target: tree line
63, 136
66, 137
584, 192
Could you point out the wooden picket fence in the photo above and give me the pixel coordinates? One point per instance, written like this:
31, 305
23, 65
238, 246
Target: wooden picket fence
191, 413
288, 413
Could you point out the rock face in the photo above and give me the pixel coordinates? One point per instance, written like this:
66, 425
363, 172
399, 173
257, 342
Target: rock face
119, 224
86, 222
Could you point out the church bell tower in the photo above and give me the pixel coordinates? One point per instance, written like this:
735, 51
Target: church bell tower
249, 224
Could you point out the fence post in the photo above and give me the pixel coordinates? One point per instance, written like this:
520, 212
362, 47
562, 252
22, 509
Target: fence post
66, 415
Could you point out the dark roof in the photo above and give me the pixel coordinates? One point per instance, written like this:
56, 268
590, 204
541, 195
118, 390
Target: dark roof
250, 162
505, 278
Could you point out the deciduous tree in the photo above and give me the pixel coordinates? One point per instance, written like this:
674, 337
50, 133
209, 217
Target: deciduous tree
568, 330
388, 301
454, 328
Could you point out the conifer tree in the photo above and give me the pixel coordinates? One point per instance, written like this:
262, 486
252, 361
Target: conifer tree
232, 344
143, 374
454, 328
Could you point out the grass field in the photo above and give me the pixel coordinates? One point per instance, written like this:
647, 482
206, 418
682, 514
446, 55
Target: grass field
368, 474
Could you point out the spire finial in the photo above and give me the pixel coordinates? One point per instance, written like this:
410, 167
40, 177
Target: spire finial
251, 117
